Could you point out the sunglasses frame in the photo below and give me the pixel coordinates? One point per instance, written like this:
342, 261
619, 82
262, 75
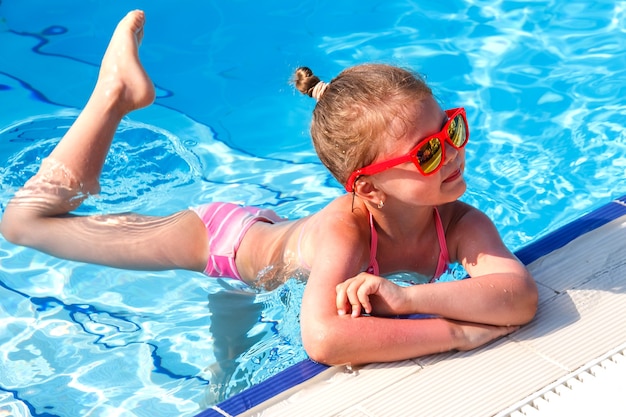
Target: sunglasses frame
411, 156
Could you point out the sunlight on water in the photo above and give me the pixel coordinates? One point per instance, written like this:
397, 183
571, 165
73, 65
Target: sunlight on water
542, 83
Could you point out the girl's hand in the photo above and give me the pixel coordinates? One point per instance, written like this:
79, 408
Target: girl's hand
367, 293
474, 335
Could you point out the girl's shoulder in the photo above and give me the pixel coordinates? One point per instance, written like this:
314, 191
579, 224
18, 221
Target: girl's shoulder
339, 223
337, 232
342, 214
466, 225
458, 213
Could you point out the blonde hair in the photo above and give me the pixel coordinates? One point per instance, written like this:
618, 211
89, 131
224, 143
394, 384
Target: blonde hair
355, 112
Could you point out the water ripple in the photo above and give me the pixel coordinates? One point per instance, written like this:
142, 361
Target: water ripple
543, 84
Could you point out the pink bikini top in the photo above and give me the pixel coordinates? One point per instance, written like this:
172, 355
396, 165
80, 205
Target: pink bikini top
444, 257
372, 268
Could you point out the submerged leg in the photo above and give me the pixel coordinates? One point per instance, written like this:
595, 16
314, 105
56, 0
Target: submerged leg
38, 214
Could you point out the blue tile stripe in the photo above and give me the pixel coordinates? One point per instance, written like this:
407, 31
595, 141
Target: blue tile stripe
562, 236
245, 400
307, 369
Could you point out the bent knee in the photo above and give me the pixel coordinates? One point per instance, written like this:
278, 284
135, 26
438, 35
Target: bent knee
13, 227
20, 225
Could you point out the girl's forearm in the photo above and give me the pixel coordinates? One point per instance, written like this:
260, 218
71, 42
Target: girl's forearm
341, 340
496, 299
357, 340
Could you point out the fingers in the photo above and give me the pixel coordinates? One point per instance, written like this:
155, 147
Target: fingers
353, 295
362, 295
348, 299
342, 302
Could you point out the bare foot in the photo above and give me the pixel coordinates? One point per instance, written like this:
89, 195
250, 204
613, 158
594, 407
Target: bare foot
122, 77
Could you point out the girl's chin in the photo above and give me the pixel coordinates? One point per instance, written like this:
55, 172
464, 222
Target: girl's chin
456, 187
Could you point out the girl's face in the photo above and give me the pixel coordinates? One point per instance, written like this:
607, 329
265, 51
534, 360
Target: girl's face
404, 182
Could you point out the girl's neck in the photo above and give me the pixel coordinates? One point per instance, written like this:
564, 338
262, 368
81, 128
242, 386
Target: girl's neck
400, 223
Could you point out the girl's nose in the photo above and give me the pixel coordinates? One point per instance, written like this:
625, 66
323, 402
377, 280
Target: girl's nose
451, 153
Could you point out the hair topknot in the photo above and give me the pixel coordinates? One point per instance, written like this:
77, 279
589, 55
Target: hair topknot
308, 83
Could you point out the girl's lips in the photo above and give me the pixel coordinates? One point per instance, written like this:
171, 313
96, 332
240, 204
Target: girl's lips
456, 174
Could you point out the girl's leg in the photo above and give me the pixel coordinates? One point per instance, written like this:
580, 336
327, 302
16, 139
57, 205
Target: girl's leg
38, 214
122, 87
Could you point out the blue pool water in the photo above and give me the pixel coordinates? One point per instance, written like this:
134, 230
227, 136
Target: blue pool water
542, 81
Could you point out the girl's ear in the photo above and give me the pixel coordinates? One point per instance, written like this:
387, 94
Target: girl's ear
366, 190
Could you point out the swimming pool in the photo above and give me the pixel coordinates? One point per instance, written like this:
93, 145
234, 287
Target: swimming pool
542, 83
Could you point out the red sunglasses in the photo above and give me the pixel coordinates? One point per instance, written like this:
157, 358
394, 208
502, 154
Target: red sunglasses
429, 154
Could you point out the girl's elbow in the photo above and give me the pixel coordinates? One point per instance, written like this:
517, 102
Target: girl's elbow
531, 306
321, 347
527, 304
316, 346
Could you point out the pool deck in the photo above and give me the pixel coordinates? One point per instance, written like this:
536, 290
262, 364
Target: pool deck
570, 360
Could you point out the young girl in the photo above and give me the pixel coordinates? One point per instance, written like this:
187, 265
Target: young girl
382, 134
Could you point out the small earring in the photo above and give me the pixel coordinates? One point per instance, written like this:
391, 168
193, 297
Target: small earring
381, 204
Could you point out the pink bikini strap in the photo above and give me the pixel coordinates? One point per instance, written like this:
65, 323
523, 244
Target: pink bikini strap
373, 266
444, 257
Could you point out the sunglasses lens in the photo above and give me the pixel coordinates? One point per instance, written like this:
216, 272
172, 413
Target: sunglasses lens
456, 131
429, 155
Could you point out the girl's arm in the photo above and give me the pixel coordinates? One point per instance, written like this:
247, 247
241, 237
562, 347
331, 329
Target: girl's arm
332, 338
501, 291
